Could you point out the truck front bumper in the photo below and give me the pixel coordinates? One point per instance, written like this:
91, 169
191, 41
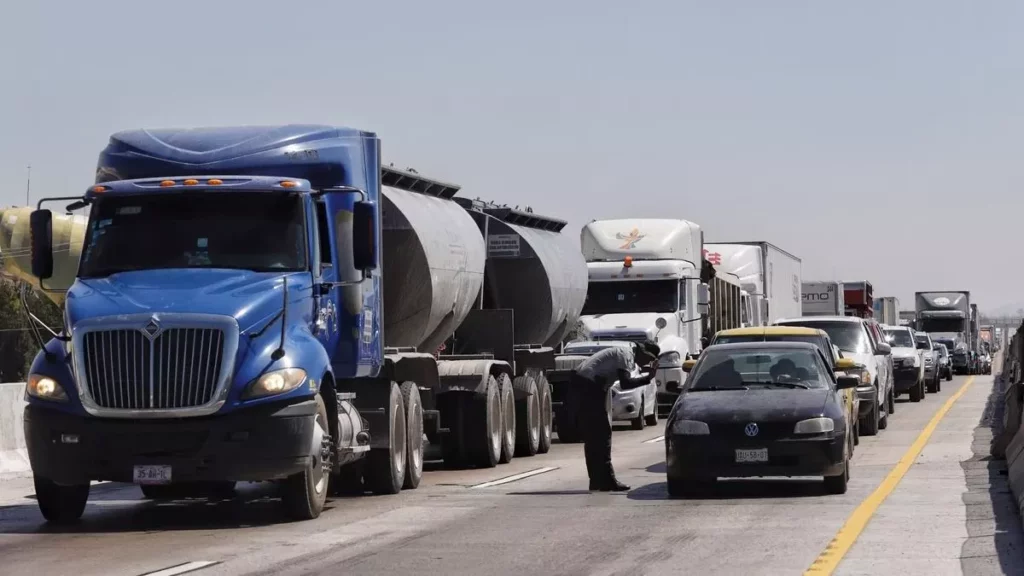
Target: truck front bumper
254, 444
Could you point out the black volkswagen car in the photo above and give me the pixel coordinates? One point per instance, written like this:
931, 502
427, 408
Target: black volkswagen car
759, 409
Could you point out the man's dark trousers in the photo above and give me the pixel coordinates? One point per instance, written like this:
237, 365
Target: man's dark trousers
591, 398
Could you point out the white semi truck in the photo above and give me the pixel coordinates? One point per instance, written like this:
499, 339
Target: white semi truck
771, 278
648, 279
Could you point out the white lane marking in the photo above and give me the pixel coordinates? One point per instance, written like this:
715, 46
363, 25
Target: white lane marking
182, 568
515, 477
654, 440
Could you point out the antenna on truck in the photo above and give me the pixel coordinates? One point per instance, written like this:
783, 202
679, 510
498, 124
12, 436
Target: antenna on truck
279, 353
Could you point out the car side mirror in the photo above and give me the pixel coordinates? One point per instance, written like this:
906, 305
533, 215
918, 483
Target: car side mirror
41, 230
883, 349
688, 365
364, 235
846, 382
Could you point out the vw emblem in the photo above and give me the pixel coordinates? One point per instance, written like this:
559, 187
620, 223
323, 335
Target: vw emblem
151, 328
750, 430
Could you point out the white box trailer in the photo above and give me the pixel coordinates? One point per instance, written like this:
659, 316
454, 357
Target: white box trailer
887, 310
823, 299
771, 277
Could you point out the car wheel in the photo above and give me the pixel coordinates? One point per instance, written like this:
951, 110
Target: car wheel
890, 401
856, 433
870, 423
917, 392
933, 386
837, 484
638, 422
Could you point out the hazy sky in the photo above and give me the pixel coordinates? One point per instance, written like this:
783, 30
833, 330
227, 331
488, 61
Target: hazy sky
875, 140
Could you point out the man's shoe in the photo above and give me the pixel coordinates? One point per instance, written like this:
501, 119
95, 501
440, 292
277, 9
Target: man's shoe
610, 486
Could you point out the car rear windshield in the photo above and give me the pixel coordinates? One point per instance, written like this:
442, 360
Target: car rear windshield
758, 367
899, 338
847, 336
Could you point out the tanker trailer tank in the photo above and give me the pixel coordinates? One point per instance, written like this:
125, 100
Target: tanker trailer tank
433, 256
16, 242
535, 284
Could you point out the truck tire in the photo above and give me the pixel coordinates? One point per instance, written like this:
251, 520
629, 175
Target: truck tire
508, 419
528, 414
385, 467
485, 426
546, 415
349, 481
304, 494
870, 422
414, 435
60, 504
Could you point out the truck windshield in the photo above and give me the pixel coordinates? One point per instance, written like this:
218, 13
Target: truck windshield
633, 296
262, 232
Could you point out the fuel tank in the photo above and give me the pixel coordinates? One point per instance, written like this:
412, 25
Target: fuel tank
16, 244
534, 269
433, 268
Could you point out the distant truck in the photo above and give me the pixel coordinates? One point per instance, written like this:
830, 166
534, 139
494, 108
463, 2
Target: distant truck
908, 318
771, 278
887, 310
859, 299
947, 316
822, 299
648, 279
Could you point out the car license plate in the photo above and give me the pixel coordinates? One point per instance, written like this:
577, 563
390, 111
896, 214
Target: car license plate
152, 475
752, 455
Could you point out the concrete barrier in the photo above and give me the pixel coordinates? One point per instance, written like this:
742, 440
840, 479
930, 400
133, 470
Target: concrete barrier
13, 456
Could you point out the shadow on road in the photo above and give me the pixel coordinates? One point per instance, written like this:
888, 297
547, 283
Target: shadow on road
994, 527
120, 508
740, 489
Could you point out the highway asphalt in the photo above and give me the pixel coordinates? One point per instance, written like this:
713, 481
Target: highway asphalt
923, 499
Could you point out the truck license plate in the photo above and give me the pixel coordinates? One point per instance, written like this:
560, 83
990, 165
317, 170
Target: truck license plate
152, 475
752, 455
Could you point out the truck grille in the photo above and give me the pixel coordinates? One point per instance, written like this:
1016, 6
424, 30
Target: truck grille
179, 368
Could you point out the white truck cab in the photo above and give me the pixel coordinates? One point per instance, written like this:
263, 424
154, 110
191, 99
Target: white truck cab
645, 282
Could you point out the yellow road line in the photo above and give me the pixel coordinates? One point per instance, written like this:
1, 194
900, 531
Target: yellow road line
829, 559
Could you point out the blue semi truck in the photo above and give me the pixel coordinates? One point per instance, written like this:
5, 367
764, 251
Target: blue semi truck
273, 304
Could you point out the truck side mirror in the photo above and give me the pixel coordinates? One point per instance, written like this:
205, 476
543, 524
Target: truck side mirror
883, 349
660, 323
703, 299
364, 235
41, 230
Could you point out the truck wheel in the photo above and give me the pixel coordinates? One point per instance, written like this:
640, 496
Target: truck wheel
60, 504
305, 493
385, 467
528, 413
638, 422
870, 423
508, 419
546, 416
413, 436
485, 426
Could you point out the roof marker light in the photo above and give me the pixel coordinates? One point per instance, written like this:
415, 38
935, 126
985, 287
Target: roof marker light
190, 182
214, 182
99, 189
166, 183
289, 184
628, 262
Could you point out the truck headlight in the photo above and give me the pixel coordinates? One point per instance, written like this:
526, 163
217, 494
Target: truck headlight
690, 428
45, 388
670, 360
815, 426
276, 382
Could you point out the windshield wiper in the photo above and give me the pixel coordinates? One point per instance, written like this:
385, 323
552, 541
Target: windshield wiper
788, 385
715, 388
